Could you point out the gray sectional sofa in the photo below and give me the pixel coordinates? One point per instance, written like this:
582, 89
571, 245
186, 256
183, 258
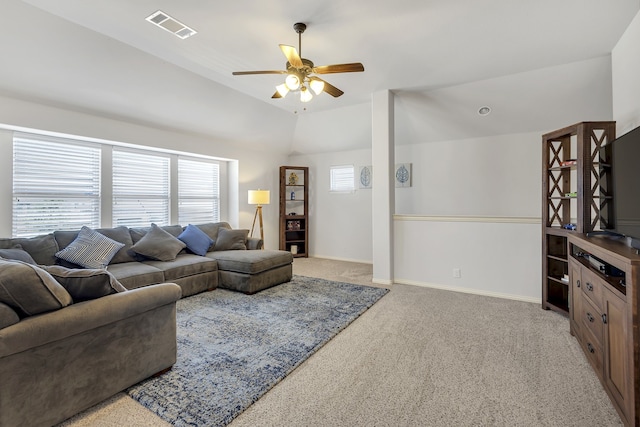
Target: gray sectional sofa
91, 333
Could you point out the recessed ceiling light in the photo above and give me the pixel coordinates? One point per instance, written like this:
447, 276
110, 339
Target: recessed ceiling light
483, 111
170, 24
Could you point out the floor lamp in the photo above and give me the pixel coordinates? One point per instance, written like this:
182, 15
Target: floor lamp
258, 197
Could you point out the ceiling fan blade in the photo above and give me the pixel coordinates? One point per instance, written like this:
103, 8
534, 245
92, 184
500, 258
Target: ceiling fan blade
329, 88
292, 56
339, 68
244, 73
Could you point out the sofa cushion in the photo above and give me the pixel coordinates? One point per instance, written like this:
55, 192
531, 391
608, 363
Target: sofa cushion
29, 289
251, 262
41, 248
136, 274
8, 316
196, 240
211, 229
90, 249
158, 244
17, 253
184, 265
85, 284
231, 240
119, 234
138, 233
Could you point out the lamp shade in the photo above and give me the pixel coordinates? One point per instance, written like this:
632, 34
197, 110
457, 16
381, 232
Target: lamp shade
259, 197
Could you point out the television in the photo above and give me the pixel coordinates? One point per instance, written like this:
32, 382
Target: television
623, 155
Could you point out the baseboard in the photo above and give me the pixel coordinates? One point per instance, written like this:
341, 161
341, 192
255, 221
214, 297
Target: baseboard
468, 291
382, 282
359, 261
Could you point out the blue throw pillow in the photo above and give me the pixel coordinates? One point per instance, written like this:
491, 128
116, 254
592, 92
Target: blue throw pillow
196, 240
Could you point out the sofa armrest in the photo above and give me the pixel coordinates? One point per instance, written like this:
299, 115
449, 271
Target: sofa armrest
87, 315
254, 243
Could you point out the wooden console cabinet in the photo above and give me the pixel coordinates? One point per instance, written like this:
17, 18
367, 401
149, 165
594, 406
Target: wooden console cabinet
604, 276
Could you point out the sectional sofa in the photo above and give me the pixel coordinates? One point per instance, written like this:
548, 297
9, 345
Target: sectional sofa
71, 337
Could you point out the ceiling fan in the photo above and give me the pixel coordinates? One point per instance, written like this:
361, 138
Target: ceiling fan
300, 72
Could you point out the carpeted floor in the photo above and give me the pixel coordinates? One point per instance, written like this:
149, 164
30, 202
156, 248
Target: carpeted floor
424, 357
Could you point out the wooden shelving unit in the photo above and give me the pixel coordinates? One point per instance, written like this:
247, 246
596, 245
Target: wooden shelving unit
574, 191
294, 210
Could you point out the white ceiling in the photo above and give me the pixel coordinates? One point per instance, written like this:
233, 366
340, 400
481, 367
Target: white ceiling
409, 46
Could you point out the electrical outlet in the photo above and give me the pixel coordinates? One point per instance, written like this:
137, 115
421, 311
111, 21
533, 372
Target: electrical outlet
457, 273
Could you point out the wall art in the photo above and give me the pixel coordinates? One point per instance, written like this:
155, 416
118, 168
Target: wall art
366, 177
403, 175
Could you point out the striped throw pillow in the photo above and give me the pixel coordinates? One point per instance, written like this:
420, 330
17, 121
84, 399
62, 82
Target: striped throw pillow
90, 249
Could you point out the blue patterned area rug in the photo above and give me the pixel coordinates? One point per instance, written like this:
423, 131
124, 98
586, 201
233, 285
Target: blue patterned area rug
233, 348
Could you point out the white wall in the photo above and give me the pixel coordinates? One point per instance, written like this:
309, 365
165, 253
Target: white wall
490, 176
474, 205
255, 169
340, 223
494, 258
625, 63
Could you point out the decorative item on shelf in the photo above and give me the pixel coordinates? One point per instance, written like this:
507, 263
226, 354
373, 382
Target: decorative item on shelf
293, 178
296, 225
569, 162
294, 249
289, 225
292, 214
572, 194
259, 198
293, 195
569, 226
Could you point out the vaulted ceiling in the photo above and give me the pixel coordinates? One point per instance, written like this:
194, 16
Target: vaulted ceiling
102, 56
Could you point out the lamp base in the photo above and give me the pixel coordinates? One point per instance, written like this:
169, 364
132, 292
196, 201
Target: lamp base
255, 216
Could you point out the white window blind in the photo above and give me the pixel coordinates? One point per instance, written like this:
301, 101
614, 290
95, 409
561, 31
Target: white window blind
56, 185
342, 178
198, 191
140, 189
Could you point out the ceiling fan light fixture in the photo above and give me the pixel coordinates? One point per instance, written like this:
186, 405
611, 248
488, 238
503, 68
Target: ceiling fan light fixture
317, 86
282, 89
305, 94
292, 82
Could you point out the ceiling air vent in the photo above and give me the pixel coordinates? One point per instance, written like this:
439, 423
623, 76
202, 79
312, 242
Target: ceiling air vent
170, 24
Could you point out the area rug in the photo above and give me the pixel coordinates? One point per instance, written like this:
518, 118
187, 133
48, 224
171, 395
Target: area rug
233, 348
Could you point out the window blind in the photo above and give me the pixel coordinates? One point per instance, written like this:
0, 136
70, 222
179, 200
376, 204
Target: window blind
56, 185
140, 188
198, 191
342, 178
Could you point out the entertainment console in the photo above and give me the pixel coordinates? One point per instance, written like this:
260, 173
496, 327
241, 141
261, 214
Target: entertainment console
604, 302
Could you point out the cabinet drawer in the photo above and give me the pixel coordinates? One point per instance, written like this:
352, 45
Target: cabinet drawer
591, 318
592, 287
593, 350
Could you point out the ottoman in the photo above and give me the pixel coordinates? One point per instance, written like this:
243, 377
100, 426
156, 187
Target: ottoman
251, 271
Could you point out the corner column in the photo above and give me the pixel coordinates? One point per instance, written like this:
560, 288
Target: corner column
383, 197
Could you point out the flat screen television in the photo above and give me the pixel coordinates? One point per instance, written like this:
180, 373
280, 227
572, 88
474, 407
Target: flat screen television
623, 154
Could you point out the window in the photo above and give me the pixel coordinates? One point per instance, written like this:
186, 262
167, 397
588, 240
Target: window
64, 183
140, 188
56, 185
199, 191
342, 178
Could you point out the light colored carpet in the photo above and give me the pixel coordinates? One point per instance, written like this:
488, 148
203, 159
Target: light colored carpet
424, 357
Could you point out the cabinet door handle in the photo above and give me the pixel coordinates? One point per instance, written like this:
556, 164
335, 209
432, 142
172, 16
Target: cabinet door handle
590, 317
589, 286
590, 348
604, 318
